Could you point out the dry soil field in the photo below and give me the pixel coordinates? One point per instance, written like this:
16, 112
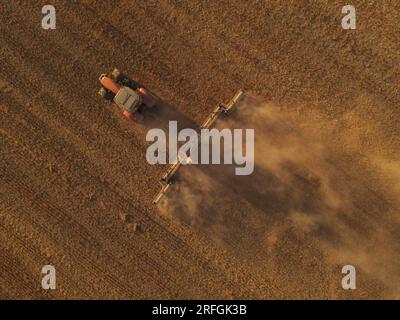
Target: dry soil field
75, 181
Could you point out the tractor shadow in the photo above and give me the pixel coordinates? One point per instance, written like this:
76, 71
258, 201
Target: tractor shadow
238, 210
162, 113
230, 208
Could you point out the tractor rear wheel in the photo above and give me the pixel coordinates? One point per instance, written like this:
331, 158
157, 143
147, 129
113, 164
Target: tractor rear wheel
134, 116
148, 99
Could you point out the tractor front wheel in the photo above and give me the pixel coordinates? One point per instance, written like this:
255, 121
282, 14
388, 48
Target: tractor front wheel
116, 74
102, 92
108, 95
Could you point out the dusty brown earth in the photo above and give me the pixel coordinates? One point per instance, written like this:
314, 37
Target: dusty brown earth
75, 181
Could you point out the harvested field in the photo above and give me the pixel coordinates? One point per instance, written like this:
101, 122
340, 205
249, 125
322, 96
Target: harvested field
76, 191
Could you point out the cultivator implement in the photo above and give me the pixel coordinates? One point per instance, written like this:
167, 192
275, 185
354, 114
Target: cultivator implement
221, 108
166, 180
168, 177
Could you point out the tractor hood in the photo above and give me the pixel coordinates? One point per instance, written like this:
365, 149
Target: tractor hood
127, 99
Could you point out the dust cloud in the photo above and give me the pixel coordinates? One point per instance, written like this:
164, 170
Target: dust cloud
304, 186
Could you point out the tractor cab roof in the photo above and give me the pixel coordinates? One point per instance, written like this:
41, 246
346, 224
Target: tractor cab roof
128, 99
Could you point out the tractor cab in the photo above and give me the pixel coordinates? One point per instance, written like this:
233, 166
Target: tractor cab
127, 94
128, 99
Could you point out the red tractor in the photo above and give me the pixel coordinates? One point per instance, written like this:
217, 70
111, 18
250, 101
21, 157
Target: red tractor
127, 94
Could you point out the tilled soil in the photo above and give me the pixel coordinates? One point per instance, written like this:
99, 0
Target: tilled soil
76, 189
